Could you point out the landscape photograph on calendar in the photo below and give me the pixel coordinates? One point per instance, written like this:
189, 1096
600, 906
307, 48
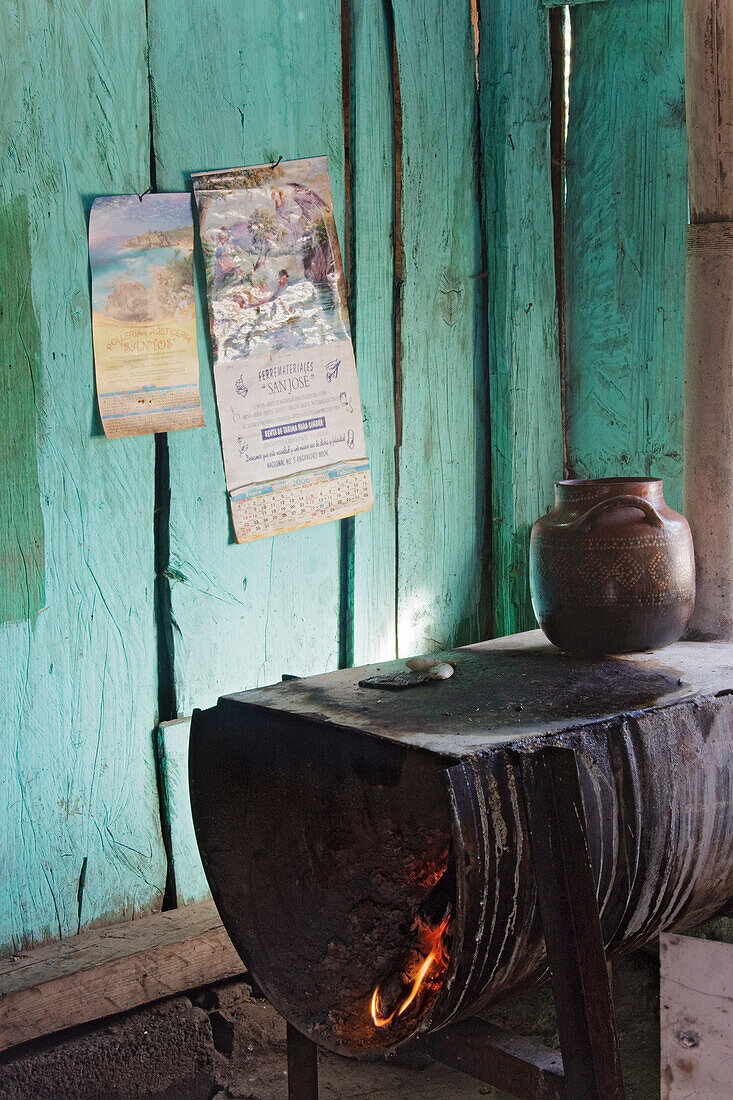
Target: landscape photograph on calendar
141, 256
273, 266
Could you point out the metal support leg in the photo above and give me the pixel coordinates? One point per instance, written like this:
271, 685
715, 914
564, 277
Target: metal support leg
302, 1066
571, 924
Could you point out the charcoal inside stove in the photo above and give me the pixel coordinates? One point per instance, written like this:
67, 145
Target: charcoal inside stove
330, 863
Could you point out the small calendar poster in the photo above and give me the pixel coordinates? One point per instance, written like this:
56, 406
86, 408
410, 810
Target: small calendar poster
284, 369
143, 314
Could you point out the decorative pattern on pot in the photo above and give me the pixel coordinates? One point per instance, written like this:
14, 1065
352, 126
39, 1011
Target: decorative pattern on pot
612, 567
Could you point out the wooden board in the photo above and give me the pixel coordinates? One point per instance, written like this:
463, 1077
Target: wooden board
22, 564
507, 1060
98, 974
708, 471
696, 990
271, 87
442, 378
371, 285
188, 874
80, 820
625, 246
709, 99
524, 368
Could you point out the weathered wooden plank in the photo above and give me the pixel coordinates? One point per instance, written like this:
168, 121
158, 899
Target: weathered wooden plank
626, 217
372, 312
524, 369
501, 1058
22, 564
709, 95
188, 874
442, 368
78, 800
571, 927
708, 470
243, 614
302, 1066
696, 990
98, 974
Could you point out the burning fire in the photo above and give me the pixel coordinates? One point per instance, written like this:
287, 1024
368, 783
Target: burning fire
431, 940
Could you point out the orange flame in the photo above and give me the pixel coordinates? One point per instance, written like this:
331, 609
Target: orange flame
428, 936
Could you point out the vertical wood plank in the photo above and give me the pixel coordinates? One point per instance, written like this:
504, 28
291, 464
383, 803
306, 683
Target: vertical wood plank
708, 418
571, 927
526, 424
626, 218
81, 829
188, 877
709, 95
22, 562
302, 1066
270, 87
442, 452
372, 314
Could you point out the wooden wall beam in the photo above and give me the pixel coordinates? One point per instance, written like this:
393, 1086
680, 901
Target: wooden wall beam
626, 217
709, 319
709, 88
442, 472
524, 368
372, 292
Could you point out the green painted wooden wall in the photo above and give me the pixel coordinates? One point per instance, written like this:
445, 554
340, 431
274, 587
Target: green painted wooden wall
124, 597
79, 810
626, 218
523, 359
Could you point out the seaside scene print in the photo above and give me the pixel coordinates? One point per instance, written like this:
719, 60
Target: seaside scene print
286, 386
273, 264
143, 313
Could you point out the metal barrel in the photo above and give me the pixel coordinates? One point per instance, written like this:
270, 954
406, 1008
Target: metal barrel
324, 846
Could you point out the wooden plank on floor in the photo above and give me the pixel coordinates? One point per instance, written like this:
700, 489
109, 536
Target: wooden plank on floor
696, 1024
625, 242
525, 403
442, 381
246, 614
81, 828
371, 293
98, 974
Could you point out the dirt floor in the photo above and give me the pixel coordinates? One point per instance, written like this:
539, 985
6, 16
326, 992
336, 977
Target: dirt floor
224, 1042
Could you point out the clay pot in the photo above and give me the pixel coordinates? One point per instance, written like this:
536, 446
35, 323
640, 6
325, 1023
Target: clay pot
612, 568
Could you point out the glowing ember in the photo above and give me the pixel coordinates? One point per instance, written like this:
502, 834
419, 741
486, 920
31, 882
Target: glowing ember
379, 1021
431, 939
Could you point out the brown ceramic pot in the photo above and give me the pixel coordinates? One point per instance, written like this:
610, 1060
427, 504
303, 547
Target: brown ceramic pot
612, 568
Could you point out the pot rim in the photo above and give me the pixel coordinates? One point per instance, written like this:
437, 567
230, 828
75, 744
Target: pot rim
575, 482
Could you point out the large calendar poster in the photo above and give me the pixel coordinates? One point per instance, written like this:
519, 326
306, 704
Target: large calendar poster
284, 369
